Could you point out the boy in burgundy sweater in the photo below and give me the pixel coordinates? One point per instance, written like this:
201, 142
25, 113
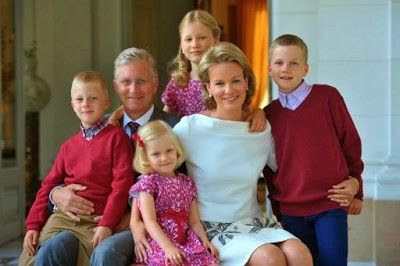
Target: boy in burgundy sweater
318, 152
98, 157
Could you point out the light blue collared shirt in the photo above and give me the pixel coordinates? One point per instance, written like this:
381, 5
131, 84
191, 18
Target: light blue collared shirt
141, 120
293, 100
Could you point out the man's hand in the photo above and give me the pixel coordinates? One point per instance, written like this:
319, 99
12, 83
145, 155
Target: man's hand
30, 241
116, 116
100, 233
70, 203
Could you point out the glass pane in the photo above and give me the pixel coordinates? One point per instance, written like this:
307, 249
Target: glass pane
8, 136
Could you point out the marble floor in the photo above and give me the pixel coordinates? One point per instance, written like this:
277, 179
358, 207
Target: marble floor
9, 252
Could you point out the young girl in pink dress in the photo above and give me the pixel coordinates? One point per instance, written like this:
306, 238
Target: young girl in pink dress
184, 92
167, 200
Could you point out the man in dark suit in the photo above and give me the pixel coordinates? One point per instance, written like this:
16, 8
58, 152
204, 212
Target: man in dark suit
136, 82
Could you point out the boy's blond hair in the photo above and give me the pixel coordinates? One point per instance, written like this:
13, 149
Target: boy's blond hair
180, 66
90, 76
289, 39
225, 52
148, 132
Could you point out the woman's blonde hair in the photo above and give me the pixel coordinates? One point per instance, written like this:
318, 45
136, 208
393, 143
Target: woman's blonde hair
148, 132
180, 66
225, 52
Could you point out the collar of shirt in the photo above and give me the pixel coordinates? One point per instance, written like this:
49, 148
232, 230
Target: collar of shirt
89, 133
293, 100
141, 120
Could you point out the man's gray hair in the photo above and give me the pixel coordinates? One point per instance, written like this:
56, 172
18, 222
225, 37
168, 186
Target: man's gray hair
133, 54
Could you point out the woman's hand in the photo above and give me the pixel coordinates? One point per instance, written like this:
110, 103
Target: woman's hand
70, 203
355, 207
30, 241
116, 116
100, 233
142, 246
257, 121
344, 192
212, 249
174, 256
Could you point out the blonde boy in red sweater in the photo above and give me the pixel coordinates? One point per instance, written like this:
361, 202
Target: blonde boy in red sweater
99, 157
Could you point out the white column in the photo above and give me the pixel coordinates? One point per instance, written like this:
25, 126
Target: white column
388, 186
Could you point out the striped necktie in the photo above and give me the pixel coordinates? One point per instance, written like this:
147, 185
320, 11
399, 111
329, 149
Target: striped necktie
134, 127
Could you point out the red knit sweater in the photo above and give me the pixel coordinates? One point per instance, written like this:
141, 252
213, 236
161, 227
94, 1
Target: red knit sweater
317, 146
102, 164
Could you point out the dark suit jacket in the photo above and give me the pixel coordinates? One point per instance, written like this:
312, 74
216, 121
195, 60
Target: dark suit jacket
160, 115
169, 119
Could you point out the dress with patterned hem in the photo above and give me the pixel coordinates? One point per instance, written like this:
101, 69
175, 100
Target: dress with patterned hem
226, 161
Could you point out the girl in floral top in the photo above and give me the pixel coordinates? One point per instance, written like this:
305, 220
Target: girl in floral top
183, 94
167, 200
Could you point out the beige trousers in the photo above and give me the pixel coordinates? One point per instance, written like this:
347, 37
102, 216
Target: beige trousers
58, 222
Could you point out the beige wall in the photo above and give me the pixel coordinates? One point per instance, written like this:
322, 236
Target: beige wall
373, 235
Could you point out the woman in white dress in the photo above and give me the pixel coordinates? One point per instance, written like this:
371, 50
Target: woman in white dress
226, 160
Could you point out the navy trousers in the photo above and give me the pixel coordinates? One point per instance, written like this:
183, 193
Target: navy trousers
325, 234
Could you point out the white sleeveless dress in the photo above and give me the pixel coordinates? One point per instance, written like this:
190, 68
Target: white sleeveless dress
225, 161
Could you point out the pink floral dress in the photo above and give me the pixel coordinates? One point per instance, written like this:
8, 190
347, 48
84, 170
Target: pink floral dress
173, 197
184, 101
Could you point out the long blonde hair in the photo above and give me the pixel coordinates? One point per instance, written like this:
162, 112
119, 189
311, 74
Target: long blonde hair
180, 66
148, 132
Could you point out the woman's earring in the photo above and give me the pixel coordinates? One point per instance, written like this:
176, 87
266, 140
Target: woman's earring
209, 95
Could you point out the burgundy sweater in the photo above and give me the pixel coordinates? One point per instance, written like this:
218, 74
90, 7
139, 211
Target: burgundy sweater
102, 164
317, 146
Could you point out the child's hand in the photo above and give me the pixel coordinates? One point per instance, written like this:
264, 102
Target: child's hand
355, 207
257, 120
30, 241
174, 256
212, 249
116, 115
100, 233
142, 246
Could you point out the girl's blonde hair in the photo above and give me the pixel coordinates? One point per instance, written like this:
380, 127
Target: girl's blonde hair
148, 132
225, 52
180, 66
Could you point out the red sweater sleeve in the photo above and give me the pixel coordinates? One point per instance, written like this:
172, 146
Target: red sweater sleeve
38, 214
122, 180
349, 138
